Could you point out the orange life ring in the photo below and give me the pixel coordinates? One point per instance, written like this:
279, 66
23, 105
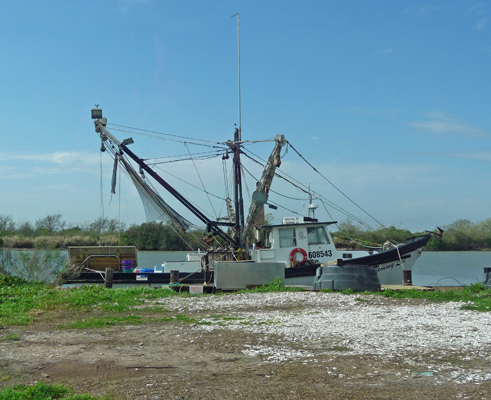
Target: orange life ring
298, 250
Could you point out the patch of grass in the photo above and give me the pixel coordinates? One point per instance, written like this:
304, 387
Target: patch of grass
22, 302
12, 336
88, 323
476, 296
42, 391
362, 300
178, 318
276, 286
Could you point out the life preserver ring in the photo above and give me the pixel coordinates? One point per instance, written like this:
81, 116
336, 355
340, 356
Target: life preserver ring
298, 250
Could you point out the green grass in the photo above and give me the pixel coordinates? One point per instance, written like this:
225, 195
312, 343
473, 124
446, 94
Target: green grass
12, 336
276, 286
42, 391
477, 297
23, 303
106, 321
178, 318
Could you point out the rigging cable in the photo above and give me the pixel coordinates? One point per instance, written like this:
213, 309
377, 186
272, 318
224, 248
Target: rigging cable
181, 234
202, 154
119, 209
102, 187
172, 140
166, 134
269, 201
190, 184
186, 138
334, 186
298, 186
201, 180
245, 182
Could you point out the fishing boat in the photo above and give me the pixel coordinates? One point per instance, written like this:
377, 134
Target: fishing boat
239, 251
244, 252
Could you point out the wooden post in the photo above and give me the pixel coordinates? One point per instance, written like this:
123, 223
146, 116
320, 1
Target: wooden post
487, 276
407, 279
174, 276
108, 278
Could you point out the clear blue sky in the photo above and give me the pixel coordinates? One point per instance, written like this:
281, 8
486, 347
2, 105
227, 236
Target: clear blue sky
388, 99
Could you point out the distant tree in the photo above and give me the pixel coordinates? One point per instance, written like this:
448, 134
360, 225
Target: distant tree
154, 236
461, 225
7, 224
26, 229
103, 225
50, 223
269, 219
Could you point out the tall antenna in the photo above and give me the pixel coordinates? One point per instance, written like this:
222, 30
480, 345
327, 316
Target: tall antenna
239, 201
238, 53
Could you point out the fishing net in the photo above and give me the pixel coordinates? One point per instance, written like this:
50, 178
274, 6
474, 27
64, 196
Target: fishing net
155, 207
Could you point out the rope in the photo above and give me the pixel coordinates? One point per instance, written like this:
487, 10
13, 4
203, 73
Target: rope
119, 210
245, 183
166, 134
306, 190
201, 180
173, 140
334, 186
102, 191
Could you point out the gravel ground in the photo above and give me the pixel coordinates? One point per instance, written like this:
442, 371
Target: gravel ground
312, 324
269, 345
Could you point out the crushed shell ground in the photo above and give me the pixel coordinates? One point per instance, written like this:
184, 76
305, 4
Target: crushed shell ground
266, 345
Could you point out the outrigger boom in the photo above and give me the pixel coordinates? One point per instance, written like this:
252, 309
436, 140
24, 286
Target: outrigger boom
212, 226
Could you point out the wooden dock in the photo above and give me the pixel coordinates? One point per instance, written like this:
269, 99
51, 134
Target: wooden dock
408, 287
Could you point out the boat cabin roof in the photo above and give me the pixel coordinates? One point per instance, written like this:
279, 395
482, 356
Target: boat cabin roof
296, 224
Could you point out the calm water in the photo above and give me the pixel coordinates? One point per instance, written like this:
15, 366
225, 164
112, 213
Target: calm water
450, 268
446, 268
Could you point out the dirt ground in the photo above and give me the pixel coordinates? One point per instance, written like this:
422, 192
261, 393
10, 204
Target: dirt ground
177, 360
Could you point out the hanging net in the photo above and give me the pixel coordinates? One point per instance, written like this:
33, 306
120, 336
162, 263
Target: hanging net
155, 207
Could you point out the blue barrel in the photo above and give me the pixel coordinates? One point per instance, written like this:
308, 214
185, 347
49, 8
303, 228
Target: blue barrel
146, 270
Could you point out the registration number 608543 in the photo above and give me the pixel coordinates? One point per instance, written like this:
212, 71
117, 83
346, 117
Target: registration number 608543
320, 254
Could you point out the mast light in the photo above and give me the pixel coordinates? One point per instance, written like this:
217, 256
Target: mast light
96, 113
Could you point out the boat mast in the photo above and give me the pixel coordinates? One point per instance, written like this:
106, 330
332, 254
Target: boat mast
238, 199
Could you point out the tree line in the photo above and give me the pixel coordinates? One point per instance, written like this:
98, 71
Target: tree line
53, 231
461, 235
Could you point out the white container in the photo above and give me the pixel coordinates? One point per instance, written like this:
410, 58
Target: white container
182, 266
195, 289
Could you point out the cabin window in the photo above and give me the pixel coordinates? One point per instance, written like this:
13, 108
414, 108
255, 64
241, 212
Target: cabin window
317, 235
287, 237
347, 255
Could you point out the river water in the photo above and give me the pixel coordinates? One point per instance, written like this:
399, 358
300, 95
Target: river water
445, 268
450, 268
